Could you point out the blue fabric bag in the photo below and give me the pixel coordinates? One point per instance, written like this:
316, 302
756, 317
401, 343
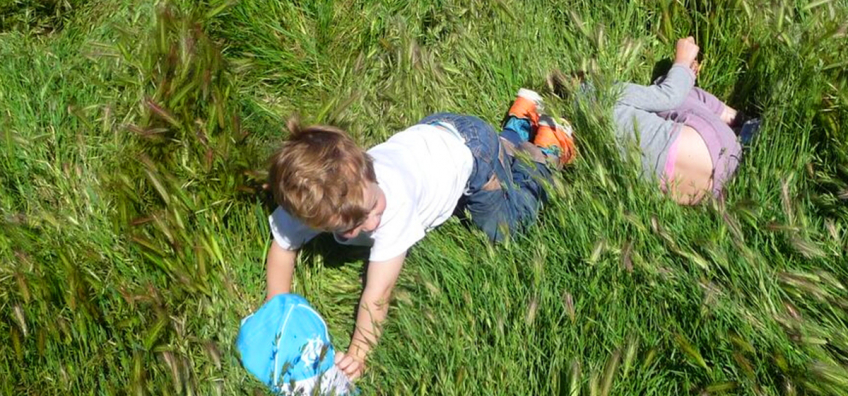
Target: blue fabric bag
285, 344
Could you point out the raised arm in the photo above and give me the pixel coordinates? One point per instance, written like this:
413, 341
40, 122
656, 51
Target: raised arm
667, 95
672, 90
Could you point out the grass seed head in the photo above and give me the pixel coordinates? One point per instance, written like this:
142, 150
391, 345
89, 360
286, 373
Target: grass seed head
568, 304
609, 373
690, 351
626, 260
21, 319
531, 311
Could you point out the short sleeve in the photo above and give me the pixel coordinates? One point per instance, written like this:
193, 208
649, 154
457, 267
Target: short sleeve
400, 228
288, 232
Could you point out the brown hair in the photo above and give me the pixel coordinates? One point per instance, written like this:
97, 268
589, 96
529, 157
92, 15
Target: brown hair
319, 176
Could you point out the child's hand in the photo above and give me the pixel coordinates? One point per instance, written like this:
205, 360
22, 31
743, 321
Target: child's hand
696, 67
686, 51
350, 364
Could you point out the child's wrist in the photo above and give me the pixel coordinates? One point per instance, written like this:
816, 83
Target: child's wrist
357, 355
686, 67
359, 350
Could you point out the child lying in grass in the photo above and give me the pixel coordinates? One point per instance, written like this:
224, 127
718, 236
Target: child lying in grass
685, 134
391, 195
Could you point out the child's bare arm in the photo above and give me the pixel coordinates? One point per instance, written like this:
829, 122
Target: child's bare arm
280, 269
373, 307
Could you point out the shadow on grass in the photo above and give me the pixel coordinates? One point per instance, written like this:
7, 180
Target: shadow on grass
743, 96
661, 68
334, 254
37, 16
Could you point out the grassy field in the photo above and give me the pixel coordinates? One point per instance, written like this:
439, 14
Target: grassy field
133, 135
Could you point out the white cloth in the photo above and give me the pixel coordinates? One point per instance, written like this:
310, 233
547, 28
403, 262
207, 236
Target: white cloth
331, 382
423, 171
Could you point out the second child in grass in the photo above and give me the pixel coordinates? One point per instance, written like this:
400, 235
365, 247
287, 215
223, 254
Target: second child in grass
390, 196
689, 139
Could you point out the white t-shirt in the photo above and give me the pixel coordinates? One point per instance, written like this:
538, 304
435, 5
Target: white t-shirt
423, 171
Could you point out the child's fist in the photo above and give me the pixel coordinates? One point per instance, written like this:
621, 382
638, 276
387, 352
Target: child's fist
696, 67
686, 51
349, 364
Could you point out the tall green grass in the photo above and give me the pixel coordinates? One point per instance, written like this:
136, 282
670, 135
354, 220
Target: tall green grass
134, 222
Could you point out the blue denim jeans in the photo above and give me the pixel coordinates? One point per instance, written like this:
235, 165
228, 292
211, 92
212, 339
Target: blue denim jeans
515, 205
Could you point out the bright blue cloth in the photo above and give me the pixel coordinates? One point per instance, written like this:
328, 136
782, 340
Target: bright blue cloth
285, 342
517, 130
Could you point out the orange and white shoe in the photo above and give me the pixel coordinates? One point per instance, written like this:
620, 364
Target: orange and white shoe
527, 105
556, 138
